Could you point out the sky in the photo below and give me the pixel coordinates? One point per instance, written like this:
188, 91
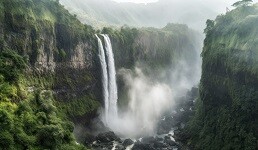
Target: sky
194, 13
137, 1
151, 1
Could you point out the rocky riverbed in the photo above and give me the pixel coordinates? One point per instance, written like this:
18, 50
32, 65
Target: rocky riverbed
168, 137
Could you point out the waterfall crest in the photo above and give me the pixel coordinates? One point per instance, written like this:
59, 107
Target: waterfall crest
108, 78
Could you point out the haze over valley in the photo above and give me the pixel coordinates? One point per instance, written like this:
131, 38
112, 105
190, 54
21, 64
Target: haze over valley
101, 13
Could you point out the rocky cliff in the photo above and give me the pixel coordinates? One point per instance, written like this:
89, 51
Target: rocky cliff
154, 47
60, 51
227, 110
48, 59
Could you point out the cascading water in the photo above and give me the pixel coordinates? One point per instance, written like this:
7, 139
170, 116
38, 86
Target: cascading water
108, 79
112, 87
103, 63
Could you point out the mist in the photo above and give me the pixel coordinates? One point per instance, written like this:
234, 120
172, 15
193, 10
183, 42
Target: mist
100, 13
148, 100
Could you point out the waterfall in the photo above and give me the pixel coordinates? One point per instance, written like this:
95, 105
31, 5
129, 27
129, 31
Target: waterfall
103, 63
112, 87
108, 78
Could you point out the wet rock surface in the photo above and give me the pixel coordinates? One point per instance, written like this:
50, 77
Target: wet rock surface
107, 137
127, 142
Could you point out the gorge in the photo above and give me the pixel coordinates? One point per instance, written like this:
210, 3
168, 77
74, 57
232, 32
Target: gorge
68, 85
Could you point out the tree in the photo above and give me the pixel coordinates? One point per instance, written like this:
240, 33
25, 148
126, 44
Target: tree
242, 3
209, 25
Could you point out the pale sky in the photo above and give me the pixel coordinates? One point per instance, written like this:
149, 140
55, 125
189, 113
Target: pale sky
151, 1
137, 1
194, 13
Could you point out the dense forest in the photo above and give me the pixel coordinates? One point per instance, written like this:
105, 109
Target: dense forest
226, 116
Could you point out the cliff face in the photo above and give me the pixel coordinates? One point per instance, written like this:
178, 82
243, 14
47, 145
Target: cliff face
43, 50
59, 50
227, 111
155, 48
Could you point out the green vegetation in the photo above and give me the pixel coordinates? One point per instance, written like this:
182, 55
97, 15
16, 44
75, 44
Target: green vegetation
157, 48
123, 45
41, 21
227, 109
33, 28
31, 115
78, 107
34, 124
29, 120
11, 65
242, 3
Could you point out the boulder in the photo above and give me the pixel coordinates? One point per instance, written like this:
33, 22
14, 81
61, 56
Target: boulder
89, 139
127, 142
142, 146
107, 137
181, 136
170, 142
158, 139
148, 140
119, 147
159, 145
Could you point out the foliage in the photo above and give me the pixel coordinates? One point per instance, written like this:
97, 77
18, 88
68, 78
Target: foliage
11, 65
227, 110
34, 124
79, 107
29, 119
242, 3
30, 123
209, 26
123, 45
133, 45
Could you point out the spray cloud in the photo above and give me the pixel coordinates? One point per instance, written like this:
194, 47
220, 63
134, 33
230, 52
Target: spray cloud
147, 102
